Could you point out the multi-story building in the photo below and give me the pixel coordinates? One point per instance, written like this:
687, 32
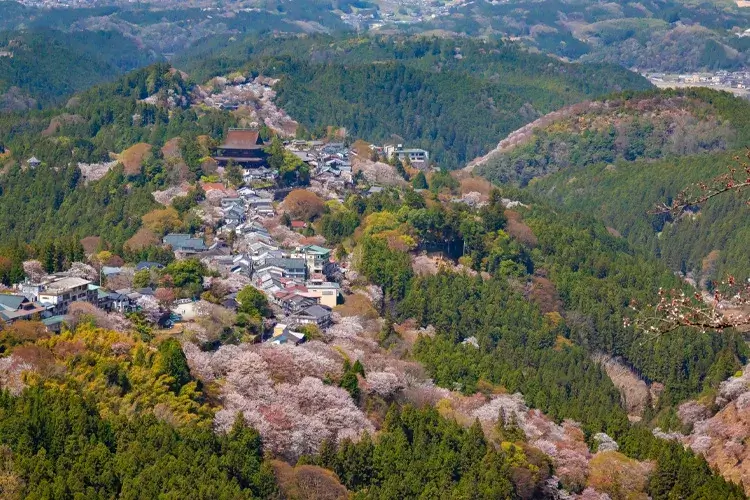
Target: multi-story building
414, 155
315, 257
326, 292
58, 292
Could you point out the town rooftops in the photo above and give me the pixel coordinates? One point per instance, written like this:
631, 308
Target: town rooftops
242, 139
316, 311
111, 270
181, 241
11, 302
54, 322
315, 249
15, 306
285, 263
144, 264
288, 337
325, 285
65, 284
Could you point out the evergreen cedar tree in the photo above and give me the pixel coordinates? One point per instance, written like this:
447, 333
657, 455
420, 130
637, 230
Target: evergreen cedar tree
252, 302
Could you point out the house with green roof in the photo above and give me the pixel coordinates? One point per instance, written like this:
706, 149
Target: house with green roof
315, 257
14, 307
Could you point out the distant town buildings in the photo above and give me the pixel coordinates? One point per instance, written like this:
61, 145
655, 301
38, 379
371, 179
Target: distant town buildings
737, 82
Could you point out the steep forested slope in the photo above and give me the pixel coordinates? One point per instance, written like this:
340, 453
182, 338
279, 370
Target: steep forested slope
48, 66
708, 244
619, 158
37, 205
554, 290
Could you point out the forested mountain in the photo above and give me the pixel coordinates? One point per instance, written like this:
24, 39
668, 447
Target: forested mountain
473, 374
448, 97
94, 124
43, 67
708, 244
619, 158
627, 127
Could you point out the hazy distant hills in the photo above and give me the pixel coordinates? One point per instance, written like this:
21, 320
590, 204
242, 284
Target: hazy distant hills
667, 36
655, 35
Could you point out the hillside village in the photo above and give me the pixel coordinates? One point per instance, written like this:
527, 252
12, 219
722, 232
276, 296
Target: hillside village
247, 240
204, 298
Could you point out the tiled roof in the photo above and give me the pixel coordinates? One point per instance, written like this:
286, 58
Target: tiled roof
241, 139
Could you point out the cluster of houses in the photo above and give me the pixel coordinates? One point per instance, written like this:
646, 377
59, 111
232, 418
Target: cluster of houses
330, 163
301, 283
49, 299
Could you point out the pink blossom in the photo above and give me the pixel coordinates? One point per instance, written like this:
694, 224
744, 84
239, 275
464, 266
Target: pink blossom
384, 384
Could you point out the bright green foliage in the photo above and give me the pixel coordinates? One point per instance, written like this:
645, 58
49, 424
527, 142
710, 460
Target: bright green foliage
420, 453
192, 153
233, 173
350, 384
442, 180
292, 170
184, 203
64, 449
390, 269
187, 274
142, 278
419, 181
172, 362
252, 302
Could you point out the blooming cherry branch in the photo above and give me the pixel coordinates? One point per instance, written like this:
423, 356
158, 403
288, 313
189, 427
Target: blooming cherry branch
726, 307
736, 179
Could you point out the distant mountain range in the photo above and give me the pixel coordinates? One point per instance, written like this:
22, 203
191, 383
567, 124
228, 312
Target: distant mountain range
669, 35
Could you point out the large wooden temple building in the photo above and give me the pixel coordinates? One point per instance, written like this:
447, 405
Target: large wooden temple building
244, 147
